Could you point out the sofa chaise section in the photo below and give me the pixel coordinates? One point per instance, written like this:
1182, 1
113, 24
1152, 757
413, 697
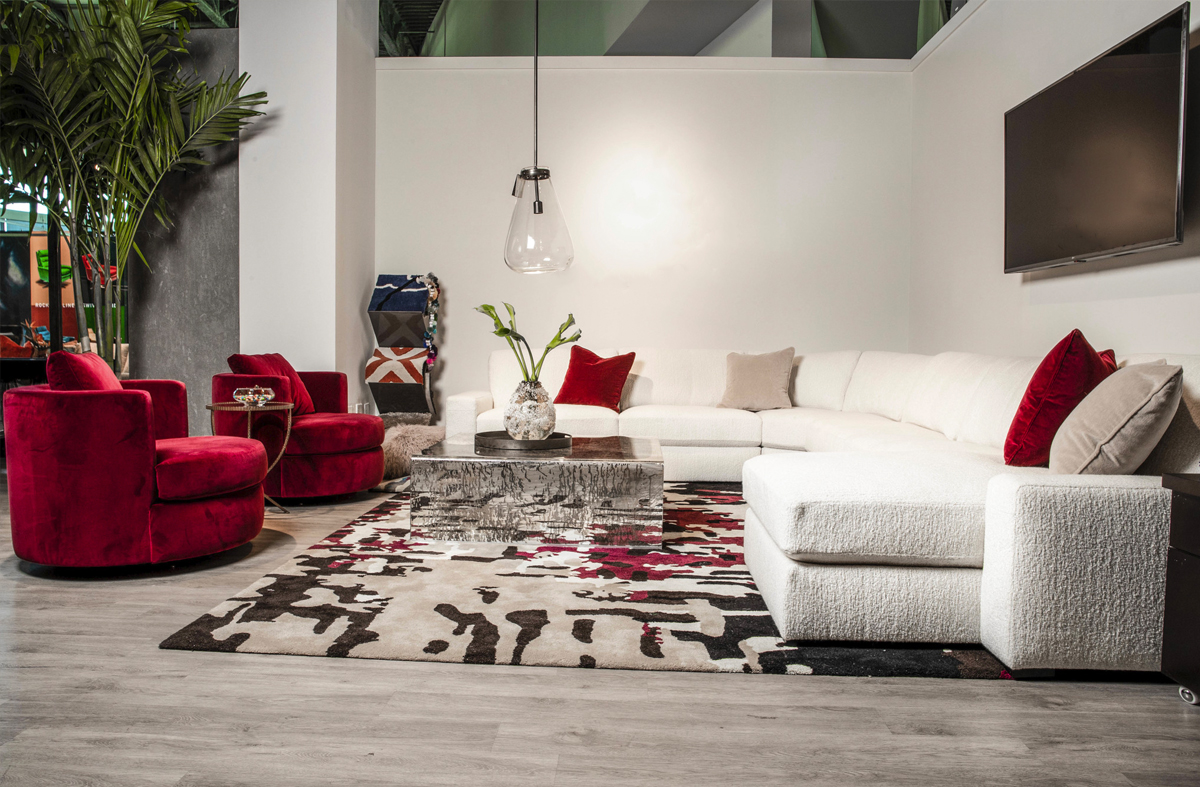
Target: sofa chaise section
1070, 574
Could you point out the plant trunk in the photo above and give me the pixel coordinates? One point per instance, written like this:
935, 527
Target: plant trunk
99, 303
114, 284
77, 279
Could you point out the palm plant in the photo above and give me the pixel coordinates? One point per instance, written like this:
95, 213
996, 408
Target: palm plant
94, 114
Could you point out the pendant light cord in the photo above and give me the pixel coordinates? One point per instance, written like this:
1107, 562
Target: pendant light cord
537, 189
536, 32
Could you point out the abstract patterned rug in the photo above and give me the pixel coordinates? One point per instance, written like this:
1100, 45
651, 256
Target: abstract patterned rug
371, 590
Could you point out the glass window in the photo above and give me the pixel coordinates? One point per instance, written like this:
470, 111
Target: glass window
894, 29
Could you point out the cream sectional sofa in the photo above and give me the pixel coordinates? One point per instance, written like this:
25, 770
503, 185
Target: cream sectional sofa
880, 507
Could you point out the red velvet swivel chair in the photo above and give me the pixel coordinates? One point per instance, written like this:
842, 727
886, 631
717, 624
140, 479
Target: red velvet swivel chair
329, 452
102, 472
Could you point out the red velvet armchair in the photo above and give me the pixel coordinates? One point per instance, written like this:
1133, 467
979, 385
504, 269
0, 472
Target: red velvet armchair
110, 477
330, 452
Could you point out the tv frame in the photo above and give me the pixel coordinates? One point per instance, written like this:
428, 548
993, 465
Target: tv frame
1118, 251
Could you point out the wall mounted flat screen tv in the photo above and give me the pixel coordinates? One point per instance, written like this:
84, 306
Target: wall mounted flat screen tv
1093, 164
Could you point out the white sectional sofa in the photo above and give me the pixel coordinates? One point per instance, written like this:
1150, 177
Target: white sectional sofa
880, 507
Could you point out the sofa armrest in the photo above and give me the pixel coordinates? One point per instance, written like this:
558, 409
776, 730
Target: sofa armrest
1074, 571
169, 398
327, 389
463, 411
234, 424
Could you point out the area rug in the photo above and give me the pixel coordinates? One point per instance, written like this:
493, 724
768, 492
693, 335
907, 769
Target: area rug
373, 590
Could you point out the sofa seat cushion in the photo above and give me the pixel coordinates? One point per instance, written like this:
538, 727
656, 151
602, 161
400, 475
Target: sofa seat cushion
334, 433
692, 425
921, 508
578, 420
813, 429
187, 468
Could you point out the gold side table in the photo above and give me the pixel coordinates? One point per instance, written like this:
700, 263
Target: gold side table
251, 410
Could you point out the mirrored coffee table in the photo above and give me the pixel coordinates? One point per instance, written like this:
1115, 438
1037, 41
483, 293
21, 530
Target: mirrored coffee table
601, 490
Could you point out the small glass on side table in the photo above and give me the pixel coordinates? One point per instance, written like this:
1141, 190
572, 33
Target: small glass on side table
251, 410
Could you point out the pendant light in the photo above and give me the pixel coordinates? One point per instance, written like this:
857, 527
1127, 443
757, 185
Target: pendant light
538, 241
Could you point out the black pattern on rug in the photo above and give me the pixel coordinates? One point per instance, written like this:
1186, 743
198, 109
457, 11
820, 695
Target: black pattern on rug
374, 590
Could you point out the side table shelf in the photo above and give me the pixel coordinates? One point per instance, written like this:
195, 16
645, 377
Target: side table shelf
1181, 619
251, 410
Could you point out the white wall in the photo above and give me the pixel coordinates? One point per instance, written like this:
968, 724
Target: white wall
709, 207
357, 45
287, 176
307, 183
961, 299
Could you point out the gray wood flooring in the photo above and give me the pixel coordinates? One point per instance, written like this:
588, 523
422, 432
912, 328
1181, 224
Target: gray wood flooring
87, 698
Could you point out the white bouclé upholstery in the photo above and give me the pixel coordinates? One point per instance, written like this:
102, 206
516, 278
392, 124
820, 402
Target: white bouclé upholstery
868, 432
922, 508
882, 382
1073, 572
1179, 450
692, 425
821, 379
991, 410
811, 601
580, 420
504, 373
683, 377
463, 411
940, 399
691, 463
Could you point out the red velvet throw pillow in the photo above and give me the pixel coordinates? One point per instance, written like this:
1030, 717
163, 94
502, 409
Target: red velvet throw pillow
80, 372
1065, 376
593, 380
276, 365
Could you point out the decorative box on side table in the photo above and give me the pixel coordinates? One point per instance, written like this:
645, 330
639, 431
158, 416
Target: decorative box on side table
1181, 621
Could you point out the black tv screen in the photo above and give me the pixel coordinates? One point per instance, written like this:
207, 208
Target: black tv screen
1093, 165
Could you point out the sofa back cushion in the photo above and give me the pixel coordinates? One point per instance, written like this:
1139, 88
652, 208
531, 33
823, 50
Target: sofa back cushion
995, 402
684, 377
504, 373
820, 379
1179, 449
882, 381
941, 396
969, 397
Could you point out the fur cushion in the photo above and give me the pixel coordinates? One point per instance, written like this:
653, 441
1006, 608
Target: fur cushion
400, 442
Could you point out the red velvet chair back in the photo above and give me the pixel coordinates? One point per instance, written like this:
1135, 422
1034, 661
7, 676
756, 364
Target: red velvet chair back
80, 475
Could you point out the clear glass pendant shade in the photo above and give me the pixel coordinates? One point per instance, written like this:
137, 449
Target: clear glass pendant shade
538, 241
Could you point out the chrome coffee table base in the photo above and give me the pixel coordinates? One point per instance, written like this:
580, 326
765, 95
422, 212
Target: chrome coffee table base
602, 490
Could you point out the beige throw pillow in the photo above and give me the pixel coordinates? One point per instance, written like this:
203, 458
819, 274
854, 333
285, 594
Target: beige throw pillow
758, 382
1114, 429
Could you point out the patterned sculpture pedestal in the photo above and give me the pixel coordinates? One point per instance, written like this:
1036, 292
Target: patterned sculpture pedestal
602, 490
404, 316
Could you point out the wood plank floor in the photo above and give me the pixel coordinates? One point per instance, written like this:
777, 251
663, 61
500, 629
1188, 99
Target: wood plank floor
87, 698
